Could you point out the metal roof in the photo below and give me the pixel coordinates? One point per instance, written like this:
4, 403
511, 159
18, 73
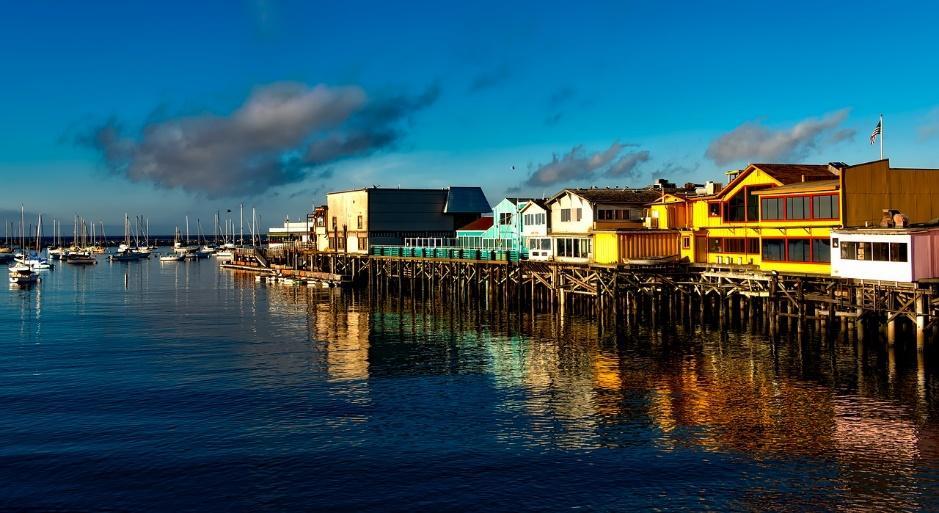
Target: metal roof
466, 200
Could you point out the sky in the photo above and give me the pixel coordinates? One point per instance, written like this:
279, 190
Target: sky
172, 109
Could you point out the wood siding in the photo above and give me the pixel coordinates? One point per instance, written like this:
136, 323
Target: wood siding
869, 188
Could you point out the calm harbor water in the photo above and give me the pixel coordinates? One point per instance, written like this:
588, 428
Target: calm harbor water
194, 389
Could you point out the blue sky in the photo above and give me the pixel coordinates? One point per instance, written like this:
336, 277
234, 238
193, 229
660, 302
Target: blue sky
174, 108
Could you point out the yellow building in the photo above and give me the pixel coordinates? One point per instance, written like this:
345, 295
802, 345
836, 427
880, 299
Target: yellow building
779, 217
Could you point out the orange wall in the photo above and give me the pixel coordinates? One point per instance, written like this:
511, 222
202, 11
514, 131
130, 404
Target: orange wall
869, 188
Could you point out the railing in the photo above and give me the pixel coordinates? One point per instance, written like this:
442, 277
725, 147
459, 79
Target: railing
449, 253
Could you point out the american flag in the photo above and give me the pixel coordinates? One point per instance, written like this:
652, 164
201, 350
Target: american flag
875, 133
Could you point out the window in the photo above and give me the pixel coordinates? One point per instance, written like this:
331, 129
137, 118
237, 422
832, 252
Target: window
574, 248
848, 250
714, 208
821, 250
864, 251
335, 224
363, 242
505, 218
579, 214
734, 245
898, 252
798, 250
774, 249
714, 245
797, 208
825, 207
880, 251
772, 208
735, 209
359, 224
565, 215
686, 242
753, 246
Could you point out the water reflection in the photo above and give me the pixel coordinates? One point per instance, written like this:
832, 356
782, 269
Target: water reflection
271, 384
864, 412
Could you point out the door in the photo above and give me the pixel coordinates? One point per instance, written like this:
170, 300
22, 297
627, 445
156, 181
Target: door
700, 249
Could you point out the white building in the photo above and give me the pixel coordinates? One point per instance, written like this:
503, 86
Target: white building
291, 231
577, 213
885, 254
535, 226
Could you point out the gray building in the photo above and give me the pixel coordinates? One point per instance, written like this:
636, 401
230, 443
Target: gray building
361, 218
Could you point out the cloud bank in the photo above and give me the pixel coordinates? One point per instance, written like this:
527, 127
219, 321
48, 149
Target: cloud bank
754, 142
280, 134
579, 165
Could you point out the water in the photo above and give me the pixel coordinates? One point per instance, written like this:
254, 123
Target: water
194, 389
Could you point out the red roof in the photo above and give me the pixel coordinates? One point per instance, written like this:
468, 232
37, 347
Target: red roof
483, 223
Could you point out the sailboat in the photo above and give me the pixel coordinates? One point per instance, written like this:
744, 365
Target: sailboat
187, 249
34, 259
125, 252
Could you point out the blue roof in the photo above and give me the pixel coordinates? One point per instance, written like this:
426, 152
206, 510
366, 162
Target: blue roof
466, 200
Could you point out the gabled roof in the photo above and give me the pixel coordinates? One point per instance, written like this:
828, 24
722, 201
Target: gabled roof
466, 200
614, 196
537, 202
483, 223
784, 174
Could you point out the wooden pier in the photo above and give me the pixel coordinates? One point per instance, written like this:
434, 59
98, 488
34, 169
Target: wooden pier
790, 304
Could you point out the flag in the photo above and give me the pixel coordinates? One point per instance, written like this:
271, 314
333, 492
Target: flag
875, 133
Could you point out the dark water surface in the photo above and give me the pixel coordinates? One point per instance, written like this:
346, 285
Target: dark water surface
198, 390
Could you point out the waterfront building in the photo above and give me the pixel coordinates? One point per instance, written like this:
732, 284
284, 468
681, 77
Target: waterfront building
779, 217
361, 218
291, 232
575, 214
617, 247
536, 225
471, 235
905, 254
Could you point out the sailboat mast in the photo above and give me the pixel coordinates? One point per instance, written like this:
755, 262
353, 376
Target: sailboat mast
187, 230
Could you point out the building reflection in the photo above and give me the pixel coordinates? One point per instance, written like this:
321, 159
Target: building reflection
866, 414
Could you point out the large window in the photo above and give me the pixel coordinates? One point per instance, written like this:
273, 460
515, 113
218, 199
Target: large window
735, 209
744, 206
565, 215
821, 250
797, 208
505, 218
574, 248
800, 207
874, 251
774, 249
825, 207
797, 250
773, 208
714, 208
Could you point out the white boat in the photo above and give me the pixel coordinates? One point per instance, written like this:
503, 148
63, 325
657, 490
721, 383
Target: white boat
22, 274
225, 255
35, 262
171, 257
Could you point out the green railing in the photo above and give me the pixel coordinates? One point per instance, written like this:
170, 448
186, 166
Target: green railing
450, 253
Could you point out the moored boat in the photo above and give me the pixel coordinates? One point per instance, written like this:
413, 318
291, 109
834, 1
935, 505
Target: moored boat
21, 274
80, 258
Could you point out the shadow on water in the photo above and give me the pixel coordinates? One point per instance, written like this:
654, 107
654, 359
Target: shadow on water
195, 390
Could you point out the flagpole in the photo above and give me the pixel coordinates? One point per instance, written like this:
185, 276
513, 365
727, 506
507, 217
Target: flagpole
881, 137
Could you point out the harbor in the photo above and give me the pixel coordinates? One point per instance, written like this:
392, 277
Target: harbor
378, 257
